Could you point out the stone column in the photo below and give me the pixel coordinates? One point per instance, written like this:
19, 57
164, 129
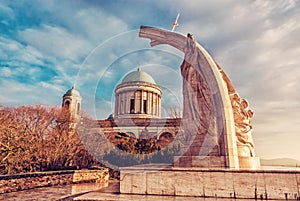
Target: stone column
157, 102
135, 102
151, 110
154, 104
119, 104
159, 106
125, 103
147, 101
122, 103
116, 105
141, 104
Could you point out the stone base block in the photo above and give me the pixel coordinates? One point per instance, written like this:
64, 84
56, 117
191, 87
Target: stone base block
200, 161
216, 183
249, 163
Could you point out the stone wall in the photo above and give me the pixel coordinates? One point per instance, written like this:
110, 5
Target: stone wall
98, 176
17, 182
223, 183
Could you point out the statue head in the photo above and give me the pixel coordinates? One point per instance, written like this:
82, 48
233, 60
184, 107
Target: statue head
189, 35
235, 97
250, 113
244, 103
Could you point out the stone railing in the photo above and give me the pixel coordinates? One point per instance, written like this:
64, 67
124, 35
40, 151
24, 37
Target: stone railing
17, 182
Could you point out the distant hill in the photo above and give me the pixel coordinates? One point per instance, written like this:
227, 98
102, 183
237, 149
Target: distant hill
280, 162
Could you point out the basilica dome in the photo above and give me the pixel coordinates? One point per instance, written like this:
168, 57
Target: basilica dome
138, 76
137, 96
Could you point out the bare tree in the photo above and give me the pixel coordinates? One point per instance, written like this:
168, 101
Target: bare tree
38, 138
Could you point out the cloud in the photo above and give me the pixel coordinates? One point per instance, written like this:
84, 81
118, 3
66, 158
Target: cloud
6, 72
96, 25
14, 51
56, 41
20, 61
81, 19
6, 16
14, 93
27, 76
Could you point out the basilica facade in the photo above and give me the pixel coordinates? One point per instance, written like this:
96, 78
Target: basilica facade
137, 111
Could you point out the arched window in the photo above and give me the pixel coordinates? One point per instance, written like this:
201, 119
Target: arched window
130, 134
132, 106
67, 104
145, 107
78, 108
166, 137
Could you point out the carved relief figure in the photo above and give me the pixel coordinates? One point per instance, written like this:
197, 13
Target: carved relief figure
243, 127
242, 119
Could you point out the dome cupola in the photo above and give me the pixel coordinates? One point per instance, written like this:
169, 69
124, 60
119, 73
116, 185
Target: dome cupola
138, 76
137, 96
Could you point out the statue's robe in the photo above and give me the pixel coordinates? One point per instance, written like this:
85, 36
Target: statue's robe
201, 140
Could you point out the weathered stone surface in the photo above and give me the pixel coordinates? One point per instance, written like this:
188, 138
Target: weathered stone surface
160, 183
298, 181
249, 163
190, 183
90, 175
281, 186
218, 184
18, 182
141, 180
253, 184
199, 161
248, 185
125, 182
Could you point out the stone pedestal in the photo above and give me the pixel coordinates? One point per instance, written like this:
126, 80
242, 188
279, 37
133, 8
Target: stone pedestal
252, 163
211, 182
199, 161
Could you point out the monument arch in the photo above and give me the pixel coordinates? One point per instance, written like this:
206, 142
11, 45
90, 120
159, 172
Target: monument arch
213, 129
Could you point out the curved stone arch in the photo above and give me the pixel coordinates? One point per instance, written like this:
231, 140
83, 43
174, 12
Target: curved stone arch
131, 134
222, 121
167, 134
66, 104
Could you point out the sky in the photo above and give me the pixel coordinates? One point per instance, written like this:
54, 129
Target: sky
46, 46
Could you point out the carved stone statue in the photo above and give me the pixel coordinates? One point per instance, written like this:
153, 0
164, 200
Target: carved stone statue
242, 119
198, 117
197, 108
216, 121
